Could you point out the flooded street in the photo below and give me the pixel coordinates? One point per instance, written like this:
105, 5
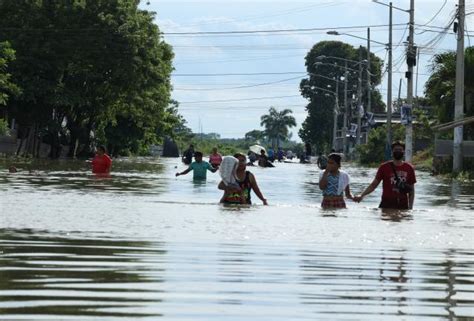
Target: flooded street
146, 245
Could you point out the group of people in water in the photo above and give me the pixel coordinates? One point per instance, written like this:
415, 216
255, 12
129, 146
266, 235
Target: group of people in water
237, 182
397, 177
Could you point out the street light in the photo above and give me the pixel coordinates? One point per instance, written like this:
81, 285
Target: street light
317, 63
411, 61
336, 33
321, 57
359, 95
367, 61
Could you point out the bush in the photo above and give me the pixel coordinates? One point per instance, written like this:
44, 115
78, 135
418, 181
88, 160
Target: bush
4, 127
374, 151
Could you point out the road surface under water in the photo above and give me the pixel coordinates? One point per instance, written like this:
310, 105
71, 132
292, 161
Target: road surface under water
144, 245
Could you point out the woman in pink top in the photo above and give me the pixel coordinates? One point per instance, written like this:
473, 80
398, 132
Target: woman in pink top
215, 158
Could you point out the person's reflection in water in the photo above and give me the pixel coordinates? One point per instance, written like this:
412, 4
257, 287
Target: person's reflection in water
394, 215
455, 192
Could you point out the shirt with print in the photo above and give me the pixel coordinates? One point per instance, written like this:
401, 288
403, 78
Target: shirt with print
200, 169
390, 193
333, 184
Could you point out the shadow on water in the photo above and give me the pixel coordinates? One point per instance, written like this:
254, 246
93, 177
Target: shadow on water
42, 274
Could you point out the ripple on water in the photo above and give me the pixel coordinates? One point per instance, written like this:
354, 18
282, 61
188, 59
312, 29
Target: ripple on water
55, 277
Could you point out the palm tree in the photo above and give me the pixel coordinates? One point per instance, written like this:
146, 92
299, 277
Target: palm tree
277, 124
440, 87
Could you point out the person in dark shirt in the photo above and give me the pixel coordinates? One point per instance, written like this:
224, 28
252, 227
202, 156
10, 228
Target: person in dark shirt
188, 155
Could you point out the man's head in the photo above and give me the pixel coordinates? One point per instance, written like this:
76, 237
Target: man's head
262, 152
198, 157
12, 169
242, 160
398, 150
101, 150
214, 150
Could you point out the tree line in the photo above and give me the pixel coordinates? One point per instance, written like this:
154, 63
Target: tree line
84, 72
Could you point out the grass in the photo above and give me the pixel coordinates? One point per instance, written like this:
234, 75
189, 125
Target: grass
423, 160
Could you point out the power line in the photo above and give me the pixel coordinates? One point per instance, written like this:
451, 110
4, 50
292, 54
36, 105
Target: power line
227, 108
277, 30
241, 87
242, 99
286, 12
241, 74
436, 14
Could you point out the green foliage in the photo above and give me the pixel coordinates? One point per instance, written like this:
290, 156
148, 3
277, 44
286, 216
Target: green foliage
277, 124
440, 87
317, 128
3, 127
97, 66
422, 126
374, 151
255, 135
423, 160
7, 88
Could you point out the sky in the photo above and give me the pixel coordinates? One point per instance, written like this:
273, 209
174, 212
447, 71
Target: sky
226, 82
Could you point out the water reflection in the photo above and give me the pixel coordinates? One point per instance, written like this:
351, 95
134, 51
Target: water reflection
394, 215
143, 243
285, 184
390, 282
46, 275
129, 175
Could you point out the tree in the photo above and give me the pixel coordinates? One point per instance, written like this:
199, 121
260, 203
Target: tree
7, 88
86, 67
254, 135
318, 125
441, 86
277, 124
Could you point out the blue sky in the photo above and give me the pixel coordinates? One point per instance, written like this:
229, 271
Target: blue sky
231, 105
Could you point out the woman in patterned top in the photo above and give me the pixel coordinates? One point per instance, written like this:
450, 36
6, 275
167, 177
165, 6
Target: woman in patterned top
334, 183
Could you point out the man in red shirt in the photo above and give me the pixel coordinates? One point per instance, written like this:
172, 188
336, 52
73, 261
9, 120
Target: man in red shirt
398, 181
101, 163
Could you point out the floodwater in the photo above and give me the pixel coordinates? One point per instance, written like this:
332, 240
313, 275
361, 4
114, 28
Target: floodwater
144, 245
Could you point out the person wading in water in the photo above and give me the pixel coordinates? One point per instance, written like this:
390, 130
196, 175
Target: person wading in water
246, 181
334, 183
398, 177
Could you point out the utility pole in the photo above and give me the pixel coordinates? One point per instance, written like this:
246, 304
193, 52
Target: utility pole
369, 93
359, 98
459, 95
336, 108
389, 89
399, 104
346, 111
411, 61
